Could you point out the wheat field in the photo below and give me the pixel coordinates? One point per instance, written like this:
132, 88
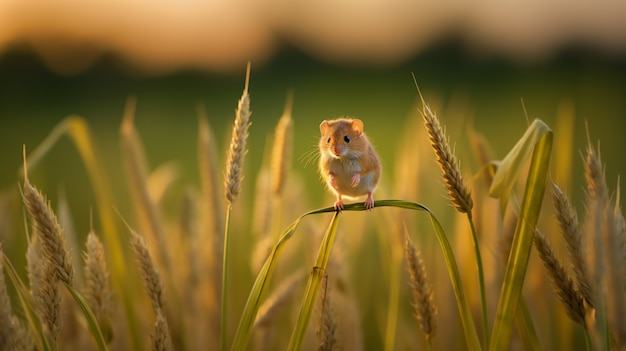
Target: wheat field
479, 249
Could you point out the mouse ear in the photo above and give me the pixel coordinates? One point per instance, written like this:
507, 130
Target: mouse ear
357, 126
324, 127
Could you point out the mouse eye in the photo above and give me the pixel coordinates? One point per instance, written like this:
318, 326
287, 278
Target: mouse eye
346, 139
328, 141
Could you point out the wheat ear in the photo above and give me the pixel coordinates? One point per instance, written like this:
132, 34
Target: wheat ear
457, 189
48, 230
237, 150
151, 277
571, 232
425, 309
561, 282
161, 339
49, 299
97, 290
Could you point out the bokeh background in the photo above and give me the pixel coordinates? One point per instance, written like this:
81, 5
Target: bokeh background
474, 61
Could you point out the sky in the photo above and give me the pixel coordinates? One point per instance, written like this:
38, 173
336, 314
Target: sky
164, 36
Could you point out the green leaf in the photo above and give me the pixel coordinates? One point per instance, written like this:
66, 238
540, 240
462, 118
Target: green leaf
312, 287
524, 231
91, 319
510, 167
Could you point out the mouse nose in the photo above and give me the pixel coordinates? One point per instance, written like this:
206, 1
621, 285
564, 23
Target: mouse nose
337, 150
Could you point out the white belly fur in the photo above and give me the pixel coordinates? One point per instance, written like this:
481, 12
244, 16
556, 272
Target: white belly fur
344, 170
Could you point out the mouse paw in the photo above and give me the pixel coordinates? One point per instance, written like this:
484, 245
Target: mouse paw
338, 205
369, 202
356, 179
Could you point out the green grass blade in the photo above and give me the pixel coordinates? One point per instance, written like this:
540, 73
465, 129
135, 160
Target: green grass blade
91, 319
254, 298
251, 308
461, 297
312, 287
525, 327
511, 166
524, 233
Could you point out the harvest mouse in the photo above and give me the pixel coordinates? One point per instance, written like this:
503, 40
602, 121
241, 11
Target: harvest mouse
348, 162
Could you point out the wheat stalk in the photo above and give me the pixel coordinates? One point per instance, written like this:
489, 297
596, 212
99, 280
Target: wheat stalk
561, 282
151, 277
457, 189
571, 232
137, 171
282, 149
425, 309
327, 332
234, 175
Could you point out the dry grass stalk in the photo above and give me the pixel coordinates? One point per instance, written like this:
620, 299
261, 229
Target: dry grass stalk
561, 282
597, 206
208, 164
6, 312
571, 232
278, 301
263, 209
151, 277
425, 309
161, 339
237, 150
54, 247
137, 172
327, 332
210, 241
457, 189
605, 238
97, 290
613, 283
282, 149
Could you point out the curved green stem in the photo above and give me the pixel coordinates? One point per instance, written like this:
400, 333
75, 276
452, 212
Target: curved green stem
254, 298
481, 281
